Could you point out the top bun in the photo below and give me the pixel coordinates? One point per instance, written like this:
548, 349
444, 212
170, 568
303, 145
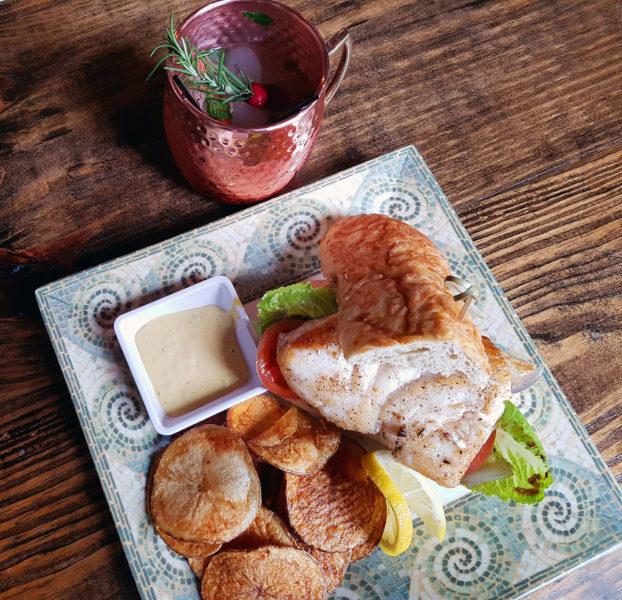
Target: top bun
393, 303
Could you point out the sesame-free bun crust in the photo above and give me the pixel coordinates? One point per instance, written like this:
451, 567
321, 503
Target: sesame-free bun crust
393, 303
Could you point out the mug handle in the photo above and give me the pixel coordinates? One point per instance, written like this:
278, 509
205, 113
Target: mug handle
340, 39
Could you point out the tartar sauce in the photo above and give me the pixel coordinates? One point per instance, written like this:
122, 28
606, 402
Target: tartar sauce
192, 357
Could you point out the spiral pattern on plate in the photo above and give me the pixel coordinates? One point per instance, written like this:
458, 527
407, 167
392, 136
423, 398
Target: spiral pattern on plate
104, 298
363, 580
123, 426
471, 559
169, 571
535, 404
567, 519
192, 263
293, 234
396, 198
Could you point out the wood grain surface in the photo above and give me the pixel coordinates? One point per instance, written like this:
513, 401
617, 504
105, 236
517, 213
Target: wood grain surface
516, 107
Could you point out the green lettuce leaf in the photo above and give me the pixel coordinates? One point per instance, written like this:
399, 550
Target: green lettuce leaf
517, 444
297, 300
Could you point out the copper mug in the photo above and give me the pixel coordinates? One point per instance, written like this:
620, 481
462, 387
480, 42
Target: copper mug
238, 165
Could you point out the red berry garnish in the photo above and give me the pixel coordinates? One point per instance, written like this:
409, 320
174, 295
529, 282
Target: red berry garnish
259, 97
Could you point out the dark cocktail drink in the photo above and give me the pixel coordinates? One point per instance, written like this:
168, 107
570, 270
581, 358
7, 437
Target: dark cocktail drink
285, 84
256, 151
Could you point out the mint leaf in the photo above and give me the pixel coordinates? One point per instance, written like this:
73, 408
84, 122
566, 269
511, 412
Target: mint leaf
217, 109
517, 444
297, 300
259, 18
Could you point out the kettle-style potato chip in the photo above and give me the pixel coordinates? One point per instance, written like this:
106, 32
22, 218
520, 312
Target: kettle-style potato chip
339, 507
268, 529
189, 549
268, 572
253, 416
297, 443
367, 547
205, 487
332, 564
198, 565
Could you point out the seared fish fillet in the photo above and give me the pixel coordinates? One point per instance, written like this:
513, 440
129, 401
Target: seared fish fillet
433, 424
350, 394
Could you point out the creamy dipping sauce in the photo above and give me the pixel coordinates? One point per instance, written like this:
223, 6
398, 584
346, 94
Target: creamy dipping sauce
192, 357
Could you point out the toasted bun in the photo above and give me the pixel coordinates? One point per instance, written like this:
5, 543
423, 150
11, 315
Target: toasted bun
394, 306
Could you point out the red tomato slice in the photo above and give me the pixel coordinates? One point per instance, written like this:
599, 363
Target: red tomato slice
319, 283
267, 367
483, 454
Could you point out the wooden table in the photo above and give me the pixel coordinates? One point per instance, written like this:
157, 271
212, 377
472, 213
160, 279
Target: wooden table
515, 105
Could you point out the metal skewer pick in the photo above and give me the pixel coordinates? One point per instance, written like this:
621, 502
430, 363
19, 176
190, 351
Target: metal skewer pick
184, 91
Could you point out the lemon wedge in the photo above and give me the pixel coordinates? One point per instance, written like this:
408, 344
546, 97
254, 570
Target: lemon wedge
413, 488
398, 531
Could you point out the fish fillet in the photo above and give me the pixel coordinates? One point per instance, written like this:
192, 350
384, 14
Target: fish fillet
433, 424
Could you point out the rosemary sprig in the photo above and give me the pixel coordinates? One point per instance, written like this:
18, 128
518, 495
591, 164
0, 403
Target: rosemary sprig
201, 73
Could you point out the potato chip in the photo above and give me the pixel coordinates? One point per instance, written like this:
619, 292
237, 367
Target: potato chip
366, 548
339, 507
189, 549
285, 427
332, 564
155, 460
269, 572
253, 416
205, 488
297, 443
268, 529
198, 565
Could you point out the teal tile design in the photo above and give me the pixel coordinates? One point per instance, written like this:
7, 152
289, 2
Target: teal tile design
492, 550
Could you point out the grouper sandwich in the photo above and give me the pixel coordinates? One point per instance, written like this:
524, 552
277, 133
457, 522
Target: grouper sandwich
385, 349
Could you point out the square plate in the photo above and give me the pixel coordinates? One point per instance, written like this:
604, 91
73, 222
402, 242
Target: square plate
491, 549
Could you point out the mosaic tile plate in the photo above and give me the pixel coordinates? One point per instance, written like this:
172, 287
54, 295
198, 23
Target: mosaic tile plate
492, 550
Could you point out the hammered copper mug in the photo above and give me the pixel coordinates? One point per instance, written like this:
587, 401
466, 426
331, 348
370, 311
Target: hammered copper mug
237, 165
